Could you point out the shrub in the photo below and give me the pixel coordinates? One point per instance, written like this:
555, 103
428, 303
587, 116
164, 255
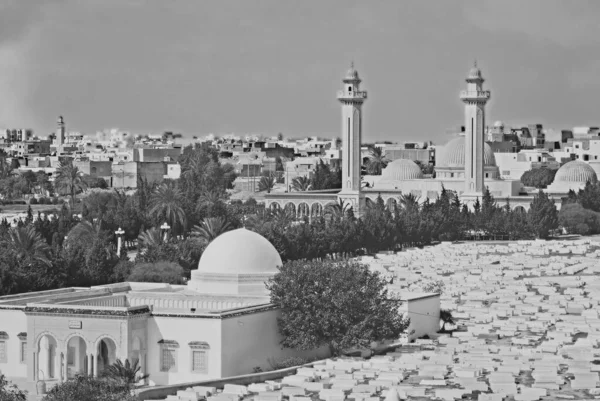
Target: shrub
55, 201
90, 389
33, 201
289, 362
159, 272
575, 219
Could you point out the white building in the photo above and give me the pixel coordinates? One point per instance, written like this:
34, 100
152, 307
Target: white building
220, 324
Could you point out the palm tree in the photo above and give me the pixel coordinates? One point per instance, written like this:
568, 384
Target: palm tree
301, 184
127, 372
69, 181
255, 221
28, 244
86, 232
282, 216
210, 201
409, 202
377, 161
166, 202
211, 228
266, 184
337, 210
150, 238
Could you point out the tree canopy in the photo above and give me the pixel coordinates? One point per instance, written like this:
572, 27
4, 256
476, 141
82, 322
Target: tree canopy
341, 305
538, 177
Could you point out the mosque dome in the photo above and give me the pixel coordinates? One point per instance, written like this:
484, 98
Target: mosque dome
240, 251
402, 169
575, 171
499, 124
453, 154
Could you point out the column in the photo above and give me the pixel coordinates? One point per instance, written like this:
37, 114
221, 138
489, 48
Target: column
90, 368
95, 362
57, 364
35, 363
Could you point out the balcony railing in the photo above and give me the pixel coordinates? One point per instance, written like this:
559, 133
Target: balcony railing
475, 94
352, 95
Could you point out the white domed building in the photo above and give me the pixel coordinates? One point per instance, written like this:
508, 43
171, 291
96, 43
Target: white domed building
405, 176
573, 175
220, 324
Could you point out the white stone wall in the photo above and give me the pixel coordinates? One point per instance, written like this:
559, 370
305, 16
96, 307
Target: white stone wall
13, 322
183, 330
251, 341
424, 316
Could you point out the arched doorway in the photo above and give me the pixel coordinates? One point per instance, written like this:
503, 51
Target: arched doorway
107, 354
316, 209
48, 366
303, 210
290, 209
520, 209
77, 361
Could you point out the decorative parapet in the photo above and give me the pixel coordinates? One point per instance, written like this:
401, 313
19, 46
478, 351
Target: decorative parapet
86, 310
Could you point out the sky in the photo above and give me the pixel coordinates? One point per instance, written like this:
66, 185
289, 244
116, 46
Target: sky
269, 66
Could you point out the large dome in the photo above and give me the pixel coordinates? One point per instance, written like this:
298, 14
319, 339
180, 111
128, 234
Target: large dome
401, 169
453, 154
575, 171
240, 252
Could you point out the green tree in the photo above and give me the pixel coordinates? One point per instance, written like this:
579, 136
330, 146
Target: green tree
325, 178
86, 388
69, 180
159, 272
575, 219
128, 372
266, 184
210, 228
301, 184
589, 196
379, 226
538, 177
377, 161
166, 203
542, 215
28, 245
10, 392
340, 305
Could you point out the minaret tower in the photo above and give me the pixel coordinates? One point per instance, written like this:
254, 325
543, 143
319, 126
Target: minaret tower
60, 131
352, 99
475, 99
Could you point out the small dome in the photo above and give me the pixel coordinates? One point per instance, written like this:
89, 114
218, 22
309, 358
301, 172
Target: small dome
453, 154
474, 73
576, 171
402, 169
499, 124
240, 251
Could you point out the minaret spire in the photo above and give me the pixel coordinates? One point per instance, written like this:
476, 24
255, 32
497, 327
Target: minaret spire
474, 99
352, 99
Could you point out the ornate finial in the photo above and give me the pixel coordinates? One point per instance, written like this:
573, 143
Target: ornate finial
475, 63
352, 64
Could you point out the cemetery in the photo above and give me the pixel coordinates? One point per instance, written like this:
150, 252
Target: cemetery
526, 327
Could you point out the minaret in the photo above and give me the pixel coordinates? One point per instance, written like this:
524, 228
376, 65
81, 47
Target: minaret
475, 99
352, 99
60, 131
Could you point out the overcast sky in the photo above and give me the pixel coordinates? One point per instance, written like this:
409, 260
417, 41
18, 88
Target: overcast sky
202, 66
